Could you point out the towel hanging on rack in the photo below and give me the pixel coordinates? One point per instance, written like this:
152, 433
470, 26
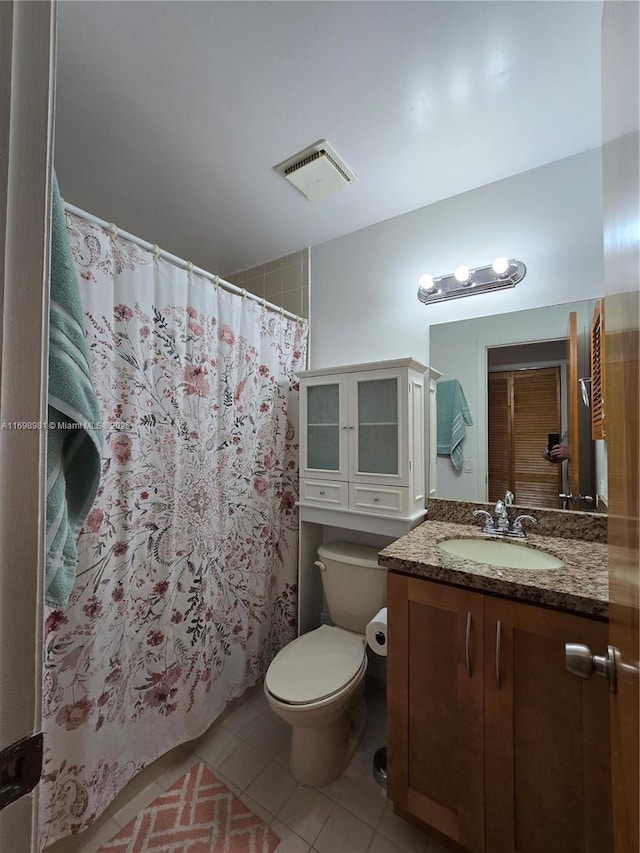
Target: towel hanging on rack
453, 418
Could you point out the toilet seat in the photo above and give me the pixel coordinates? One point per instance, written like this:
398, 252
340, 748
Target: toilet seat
316, 666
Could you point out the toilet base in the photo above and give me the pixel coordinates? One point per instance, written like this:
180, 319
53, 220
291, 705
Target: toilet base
320, 754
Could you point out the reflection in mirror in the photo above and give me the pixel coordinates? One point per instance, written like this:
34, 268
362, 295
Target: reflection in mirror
526, 403
520, 378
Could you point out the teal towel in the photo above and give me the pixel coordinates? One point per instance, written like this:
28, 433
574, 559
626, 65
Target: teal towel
453, 419
74, 441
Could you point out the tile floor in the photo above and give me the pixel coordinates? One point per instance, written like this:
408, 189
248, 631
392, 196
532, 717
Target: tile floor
247, 748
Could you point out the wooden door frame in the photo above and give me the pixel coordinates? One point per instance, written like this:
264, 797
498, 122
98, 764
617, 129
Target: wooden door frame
621, 194
27, 58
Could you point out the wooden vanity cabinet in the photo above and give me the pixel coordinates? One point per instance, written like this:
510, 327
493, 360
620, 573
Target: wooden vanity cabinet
435, 731
546, 734
509, 752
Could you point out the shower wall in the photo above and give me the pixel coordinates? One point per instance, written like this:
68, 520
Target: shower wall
284, 281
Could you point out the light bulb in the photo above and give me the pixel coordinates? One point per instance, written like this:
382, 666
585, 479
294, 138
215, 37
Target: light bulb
500, 266
462, 274
426, 281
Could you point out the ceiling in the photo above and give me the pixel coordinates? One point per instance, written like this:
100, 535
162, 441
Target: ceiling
171, 115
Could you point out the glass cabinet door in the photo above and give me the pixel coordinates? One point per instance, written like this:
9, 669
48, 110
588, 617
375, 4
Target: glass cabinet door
323, 427
378, 428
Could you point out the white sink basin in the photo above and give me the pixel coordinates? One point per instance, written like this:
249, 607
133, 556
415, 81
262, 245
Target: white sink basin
496, 553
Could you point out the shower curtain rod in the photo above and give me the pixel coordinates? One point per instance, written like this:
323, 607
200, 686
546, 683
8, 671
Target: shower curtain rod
179, 262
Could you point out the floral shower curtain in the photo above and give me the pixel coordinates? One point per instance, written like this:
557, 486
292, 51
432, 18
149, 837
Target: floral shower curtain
186, 583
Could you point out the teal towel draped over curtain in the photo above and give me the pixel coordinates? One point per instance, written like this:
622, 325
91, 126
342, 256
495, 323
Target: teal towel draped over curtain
74, 440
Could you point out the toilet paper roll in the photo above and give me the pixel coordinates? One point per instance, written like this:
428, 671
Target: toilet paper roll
376, 633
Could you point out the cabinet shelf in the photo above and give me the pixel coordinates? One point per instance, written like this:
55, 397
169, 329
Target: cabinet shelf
379, 423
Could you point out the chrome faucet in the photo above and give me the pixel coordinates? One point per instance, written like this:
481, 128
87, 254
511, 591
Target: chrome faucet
502, 516
500, 525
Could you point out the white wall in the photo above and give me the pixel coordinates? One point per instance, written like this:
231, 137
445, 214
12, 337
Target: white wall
364, 305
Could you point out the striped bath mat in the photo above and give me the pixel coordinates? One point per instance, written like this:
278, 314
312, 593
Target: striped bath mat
196, 815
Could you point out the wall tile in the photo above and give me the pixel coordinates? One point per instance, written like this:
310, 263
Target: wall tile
292, 277
292, 259
292, 301
273, 284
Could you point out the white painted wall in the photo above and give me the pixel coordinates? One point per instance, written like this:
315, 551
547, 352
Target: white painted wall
364, 305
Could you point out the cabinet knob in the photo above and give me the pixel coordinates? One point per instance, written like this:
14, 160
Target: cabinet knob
322, 491
376, 498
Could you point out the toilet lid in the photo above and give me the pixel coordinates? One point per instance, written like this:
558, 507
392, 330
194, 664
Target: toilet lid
315, 666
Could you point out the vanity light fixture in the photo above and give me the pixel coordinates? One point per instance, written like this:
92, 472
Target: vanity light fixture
503, 272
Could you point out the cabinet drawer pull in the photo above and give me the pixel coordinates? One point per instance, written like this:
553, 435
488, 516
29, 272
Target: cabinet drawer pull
322, 491
498, 639
467, 650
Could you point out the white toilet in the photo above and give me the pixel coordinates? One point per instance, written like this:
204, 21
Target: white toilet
316, 682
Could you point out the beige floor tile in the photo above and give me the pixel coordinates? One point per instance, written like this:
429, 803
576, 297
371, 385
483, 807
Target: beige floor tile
408, 837
305, 812
289, 841
365, 799
217, 745
272, 787
256, 808
86, 842
335, 789
98, 838
283, 756
242, 714
267, 734
380, 844
138, 803
343, 833
363, 758
172, 773
243, 765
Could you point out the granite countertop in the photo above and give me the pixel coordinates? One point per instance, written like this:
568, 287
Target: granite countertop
580, 586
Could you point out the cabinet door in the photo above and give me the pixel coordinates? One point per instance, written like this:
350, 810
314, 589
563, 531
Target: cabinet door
378, 415
435, 706
547, 760
324, 428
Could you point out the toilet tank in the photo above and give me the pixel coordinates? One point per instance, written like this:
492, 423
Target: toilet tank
354, 584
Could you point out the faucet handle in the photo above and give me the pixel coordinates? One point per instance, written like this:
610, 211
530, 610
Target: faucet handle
517, 524
508, 498
489, 522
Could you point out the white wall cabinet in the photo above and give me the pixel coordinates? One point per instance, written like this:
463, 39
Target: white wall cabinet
362, 440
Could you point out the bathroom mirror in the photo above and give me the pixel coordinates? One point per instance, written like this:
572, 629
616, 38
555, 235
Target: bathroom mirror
506, 351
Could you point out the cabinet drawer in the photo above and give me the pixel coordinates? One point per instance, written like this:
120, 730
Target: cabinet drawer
323, 493
383, 499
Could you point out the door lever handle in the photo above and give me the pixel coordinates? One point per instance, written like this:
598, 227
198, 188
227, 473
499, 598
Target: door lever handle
582, 663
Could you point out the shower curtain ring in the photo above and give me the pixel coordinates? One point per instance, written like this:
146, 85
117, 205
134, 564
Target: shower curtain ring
156, 251
243, 293
216, 280
113, 231
189, 269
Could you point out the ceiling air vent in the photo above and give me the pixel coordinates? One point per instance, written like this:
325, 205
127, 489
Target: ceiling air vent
316, 171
